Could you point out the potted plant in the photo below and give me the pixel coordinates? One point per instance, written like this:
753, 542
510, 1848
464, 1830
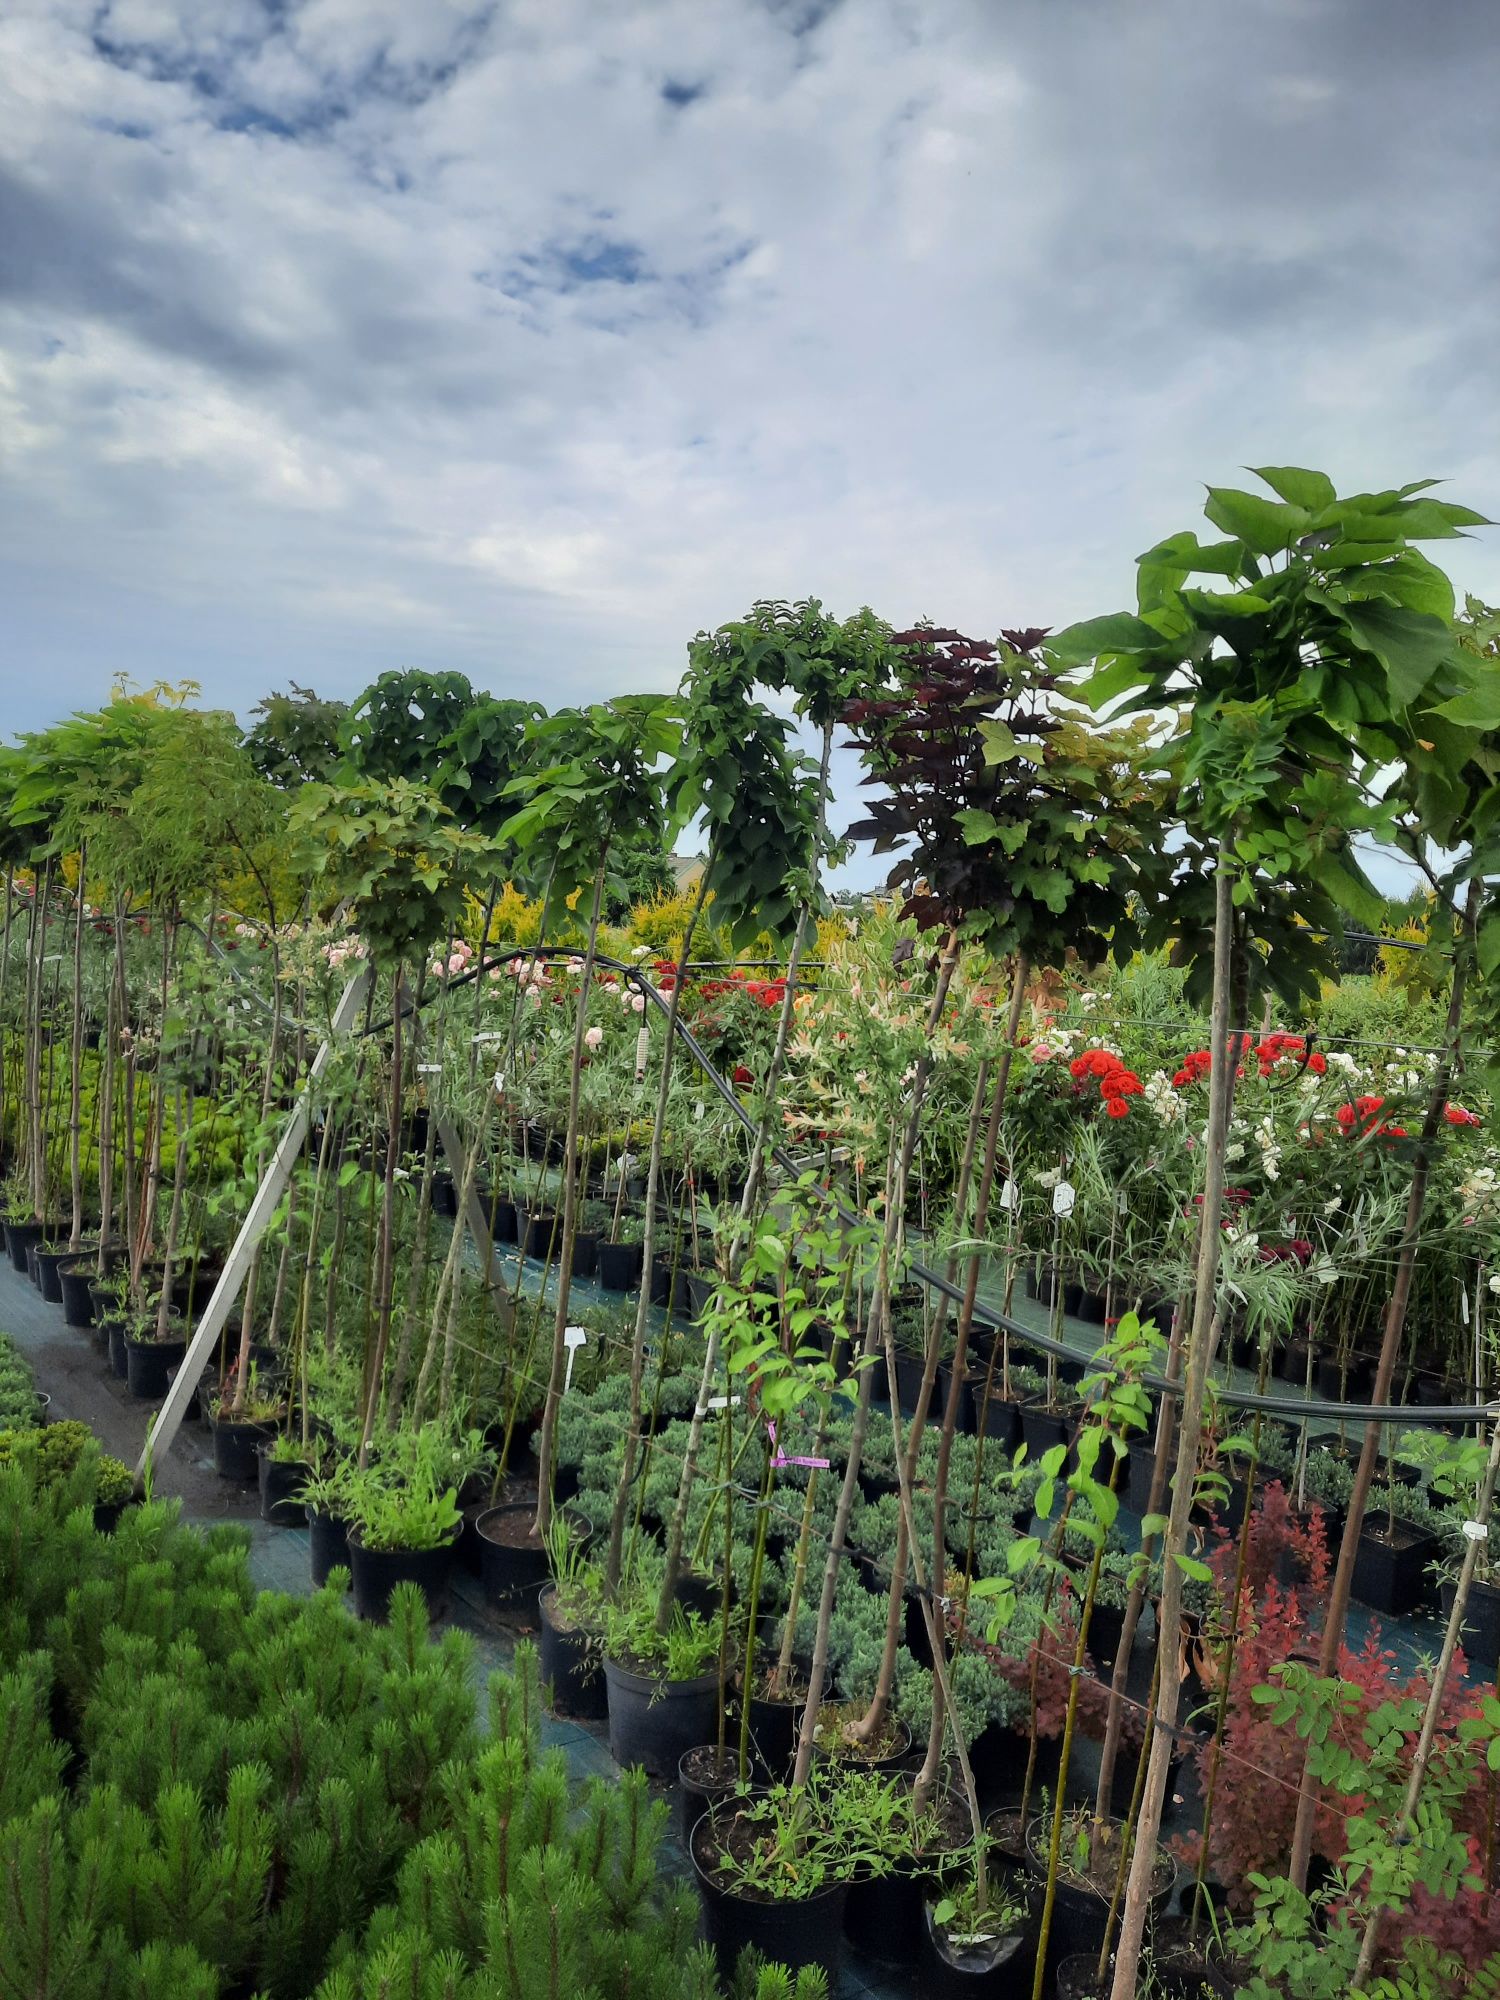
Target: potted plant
977, 1938
569, 1618
1397, 1543
663, 1683
283, 1467
155, 1344
326, 1496
774, 1870
244, 1414
619, 1259
1086, 1877
404, 1522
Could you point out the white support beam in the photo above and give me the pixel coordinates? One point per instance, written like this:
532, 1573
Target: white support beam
161, 1431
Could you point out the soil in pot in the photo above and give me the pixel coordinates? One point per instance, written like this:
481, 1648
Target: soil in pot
149, 1365
569, 1663
1077, 1978
281, 1482
512, 1560
376, 1572
1086, 1884
805, 1931
328, 1542
1187, 1967
652, 1721
704, 1780
888, 1751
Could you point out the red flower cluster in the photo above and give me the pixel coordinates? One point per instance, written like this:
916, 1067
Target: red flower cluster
1363, 1117
742, 1076
768, 992
1267, 1053
1116, 1082
1298, 1251
1456, 1115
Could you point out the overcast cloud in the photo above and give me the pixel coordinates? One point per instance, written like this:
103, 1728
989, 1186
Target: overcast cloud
528, 337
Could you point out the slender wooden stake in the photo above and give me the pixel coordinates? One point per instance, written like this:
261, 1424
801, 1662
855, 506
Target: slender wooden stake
163, 1429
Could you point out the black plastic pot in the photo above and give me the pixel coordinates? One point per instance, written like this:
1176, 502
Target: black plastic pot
909, 1370
516, 1573
149, 1365
585, 1253
119, 1352
669, 1283
328, 1540
1080, 1913
376, 1572
975, 1969
1106, 1629
701, 1286
19, 1237
1481, 1627
502, 1220
773, 1734
652, 1721
808, 1932
543, 1233
281, 1482
48, 1274
1390, 1575
619, 1266
894, 1760
31, 1268
75, 1290
1042, 1429
569, 1665
234, 1447
700, 1791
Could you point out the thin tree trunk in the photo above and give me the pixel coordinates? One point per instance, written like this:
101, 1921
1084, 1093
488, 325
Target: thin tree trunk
1390, 1346
545, 1442
1174, 1544
630, 1452
385, 1265
75, 1101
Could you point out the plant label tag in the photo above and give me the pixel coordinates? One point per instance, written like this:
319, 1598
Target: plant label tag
1063, 1197
574, 1337
1475, 1531
499, 1083
698, 1109
1122, 1206
1010, 1195
722, 1403
642, 1050
489, 1035
1463, 1303
429, 1069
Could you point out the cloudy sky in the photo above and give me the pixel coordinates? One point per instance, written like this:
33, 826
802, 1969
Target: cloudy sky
528, 337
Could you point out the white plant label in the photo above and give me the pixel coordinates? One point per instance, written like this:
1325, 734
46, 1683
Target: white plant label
1463, 1303
723, 1403
1476, 1531
429, 1069
1063, 1197
574, 1337
642, 1051
1122, 1206
1010, 1195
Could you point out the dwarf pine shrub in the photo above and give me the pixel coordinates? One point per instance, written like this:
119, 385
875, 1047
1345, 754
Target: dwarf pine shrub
213, 1793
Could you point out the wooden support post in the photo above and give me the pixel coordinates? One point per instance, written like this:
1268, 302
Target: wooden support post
163, 1428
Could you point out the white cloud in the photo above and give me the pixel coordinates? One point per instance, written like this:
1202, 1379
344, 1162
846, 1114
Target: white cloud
528, 338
